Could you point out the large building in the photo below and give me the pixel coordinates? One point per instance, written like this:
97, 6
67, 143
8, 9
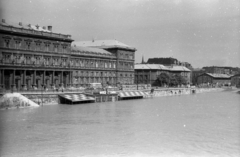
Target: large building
169, 62
123, 57
32, 57
148, 73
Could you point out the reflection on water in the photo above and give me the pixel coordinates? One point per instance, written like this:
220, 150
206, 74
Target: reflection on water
204, 124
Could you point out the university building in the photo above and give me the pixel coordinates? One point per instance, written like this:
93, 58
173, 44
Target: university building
33, 57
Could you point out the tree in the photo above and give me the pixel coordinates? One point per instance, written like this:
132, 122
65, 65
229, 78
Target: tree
177, 79
162, 79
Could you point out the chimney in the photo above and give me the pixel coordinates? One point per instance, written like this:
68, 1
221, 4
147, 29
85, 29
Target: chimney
20, 23
3, 21
50, 28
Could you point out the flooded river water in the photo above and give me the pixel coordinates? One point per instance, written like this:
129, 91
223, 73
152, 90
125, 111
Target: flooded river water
206, 124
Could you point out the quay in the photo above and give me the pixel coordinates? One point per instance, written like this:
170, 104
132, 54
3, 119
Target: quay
80, 97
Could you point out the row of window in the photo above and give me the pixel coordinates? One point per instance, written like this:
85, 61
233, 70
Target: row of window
35, 45
56, 61
125, 75
125, 65
94, 73
84, 80
99, 74
92, 63
125, 55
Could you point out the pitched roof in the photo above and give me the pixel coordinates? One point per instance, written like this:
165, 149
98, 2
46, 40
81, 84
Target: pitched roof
236, 75
178, 68
89, 50
103, 44
150, 66
218, 75
160, 67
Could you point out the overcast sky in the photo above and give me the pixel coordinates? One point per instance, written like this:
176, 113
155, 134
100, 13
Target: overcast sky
201, 32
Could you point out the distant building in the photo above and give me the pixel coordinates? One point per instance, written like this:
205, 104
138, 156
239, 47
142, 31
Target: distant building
209, 78
221, 70
148, 73
169, 62
235, 80
195, 73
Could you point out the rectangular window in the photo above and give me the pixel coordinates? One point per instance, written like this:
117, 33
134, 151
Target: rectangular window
28, 45
46, 46
38, 46
64, 48
7, 42
17, 44
55, 48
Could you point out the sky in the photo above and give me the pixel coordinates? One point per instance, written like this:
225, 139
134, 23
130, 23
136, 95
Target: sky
201, 32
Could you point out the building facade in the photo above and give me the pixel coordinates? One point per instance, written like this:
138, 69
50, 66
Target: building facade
221, 70
33, 57
148, 73
124, 57
215, 79
235, 80
194, 75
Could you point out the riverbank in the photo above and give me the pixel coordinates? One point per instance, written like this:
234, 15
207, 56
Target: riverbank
52, 98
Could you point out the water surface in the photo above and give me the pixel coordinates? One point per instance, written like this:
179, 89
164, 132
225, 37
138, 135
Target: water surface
205, 124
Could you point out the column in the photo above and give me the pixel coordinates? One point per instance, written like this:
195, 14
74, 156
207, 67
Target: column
50, 79
3, 79
67, 79
62, 84
24, 80
13, 81
44, 77
70, 81
21, 82
31, 80
53, 77
34, 78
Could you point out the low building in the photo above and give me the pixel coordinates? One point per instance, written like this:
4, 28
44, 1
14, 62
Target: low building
214, 79
235, 80
148, 73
